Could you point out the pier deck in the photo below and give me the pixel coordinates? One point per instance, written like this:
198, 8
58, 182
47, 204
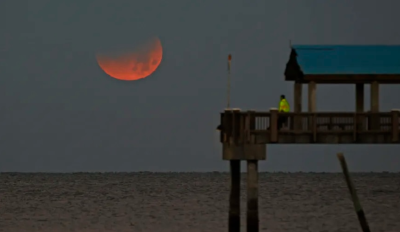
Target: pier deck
252, 127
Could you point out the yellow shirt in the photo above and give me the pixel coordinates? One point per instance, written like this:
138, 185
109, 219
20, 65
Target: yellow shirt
284, 106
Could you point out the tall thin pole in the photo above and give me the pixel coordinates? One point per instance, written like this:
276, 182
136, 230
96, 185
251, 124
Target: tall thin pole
229, 81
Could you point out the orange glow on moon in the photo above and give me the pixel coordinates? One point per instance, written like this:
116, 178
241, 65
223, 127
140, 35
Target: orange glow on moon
135, 65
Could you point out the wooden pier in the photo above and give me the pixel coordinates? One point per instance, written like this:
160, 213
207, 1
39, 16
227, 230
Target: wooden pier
242, 128
245, 134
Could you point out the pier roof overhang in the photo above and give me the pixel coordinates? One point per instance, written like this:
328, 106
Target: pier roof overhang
337, 64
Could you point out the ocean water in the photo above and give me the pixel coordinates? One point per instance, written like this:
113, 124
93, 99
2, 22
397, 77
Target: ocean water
163, 202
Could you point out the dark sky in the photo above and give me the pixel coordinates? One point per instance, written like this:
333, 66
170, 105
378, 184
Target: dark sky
61, 113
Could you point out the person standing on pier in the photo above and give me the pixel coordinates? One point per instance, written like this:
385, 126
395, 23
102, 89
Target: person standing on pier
283, 108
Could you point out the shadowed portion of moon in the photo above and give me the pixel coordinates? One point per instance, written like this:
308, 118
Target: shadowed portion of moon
132, 65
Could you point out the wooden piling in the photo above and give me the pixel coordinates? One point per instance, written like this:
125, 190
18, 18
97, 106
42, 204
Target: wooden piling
234, 197
252, 196
356, 202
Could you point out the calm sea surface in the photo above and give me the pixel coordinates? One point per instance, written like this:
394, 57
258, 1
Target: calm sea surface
191, 202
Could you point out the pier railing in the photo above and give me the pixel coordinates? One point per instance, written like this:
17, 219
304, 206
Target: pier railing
242, 126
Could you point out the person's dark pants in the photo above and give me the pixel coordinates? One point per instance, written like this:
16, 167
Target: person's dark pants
281, 120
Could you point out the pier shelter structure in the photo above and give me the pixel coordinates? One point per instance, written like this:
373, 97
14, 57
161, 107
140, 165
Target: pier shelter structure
244, 134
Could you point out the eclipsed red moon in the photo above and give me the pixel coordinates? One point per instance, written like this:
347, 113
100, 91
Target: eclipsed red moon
133, 65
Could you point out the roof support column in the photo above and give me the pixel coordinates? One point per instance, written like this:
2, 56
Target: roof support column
360, 104
359, 97
298, 87
312, 102
375, 96
375, 105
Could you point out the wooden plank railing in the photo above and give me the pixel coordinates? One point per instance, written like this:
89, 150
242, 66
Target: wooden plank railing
238, 126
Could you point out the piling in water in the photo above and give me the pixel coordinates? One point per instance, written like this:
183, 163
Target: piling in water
252, 196
234, 197
357, 205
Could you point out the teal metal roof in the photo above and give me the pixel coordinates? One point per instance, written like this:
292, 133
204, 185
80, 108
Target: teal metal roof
348, 59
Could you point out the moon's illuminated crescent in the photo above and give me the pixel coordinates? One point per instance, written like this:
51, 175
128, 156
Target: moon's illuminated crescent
133, 65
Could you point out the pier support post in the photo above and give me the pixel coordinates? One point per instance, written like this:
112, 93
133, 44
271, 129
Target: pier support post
247, 149
252, 196
234, 197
